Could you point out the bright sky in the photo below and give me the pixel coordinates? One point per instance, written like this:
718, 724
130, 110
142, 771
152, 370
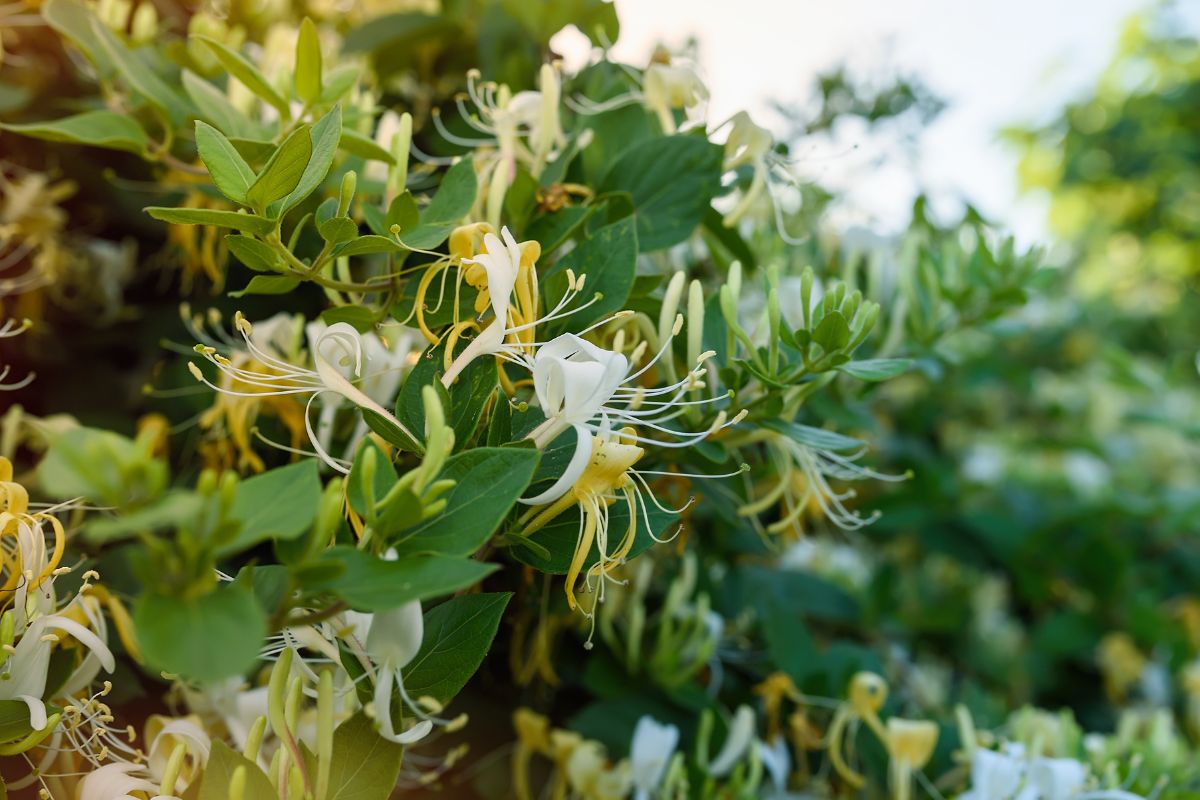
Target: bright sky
997, 62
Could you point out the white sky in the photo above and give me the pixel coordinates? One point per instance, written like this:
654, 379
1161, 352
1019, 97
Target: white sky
997, 63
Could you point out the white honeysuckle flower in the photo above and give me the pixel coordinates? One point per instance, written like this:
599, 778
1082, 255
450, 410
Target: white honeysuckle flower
24, 674
388, 363
1057, 778
777, 759
650, 751
338, 359
803, 471
737, 743
8, 329
505, 119
501, 261
582, 386
116, 781
750, 144
667, 87
393, 639
517, 129
998, 776
662, 89
164, 734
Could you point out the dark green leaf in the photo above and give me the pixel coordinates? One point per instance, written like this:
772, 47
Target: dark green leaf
672, 180
268, 284
458, 634
206, 638
489, 481
373, 584
279, 504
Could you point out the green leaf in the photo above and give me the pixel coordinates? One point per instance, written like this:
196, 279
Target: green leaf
103, 467
268, 284
672, 180
240, 67
551, 230
609, 260
283, 172
818, 438
254, 254
357, 144
141, 77
338, 82
361, 318
365, 766
458, 634
833, 332
488, 482
308, 63
206, 638
207, 216
384, 478
467, 395
14, 721
877, 369
373, 584
256, 151
228, 169
73, 20
391, 432
453, 201
403, 211
279, 504
338, 229
214, 107
97, 128
223, 761
365, 245
170, 511
324, 135
405, 29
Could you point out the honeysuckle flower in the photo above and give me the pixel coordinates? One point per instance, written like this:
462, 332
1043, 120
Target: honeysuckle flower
495, 273
586, 388
8, 329
751, 145
389, 362
523, 128
592, 775
667, 87
164, 736
738, 742
231, 421
116, 781
778, 760
803, 472
910, 745
998, 775
337, 357
391, 639
649, 753
864, 699
663, 88
1057, 778
24, 673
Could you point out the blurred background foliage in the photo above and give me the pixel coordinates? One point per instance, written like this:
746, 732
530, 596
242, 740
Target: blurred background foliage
1043, 551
